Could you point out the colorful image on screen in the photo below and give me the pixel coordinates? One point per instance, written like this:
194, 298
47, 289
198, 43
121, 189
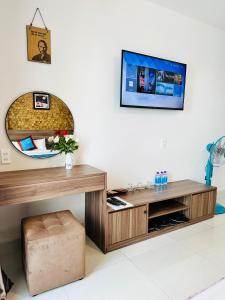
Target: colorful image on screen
152, 82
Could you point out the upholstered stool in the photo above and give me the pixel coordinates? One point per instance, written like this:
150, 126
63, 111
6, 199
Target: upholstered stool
53, 250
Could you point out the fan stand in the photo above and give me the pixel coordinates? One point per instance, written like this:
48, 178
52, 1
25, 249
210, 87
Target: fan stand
209, 173
219, 209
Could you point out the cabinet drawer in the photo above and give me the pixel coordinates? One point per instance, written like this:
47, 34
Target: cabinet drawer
127, 224
202, 204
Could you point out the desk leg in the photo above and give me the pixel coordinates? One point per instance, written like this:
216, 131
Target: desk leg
95, 217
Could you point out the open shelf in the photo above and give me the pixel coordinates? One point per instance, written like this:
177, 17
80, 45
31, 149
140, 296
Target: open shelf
164, 208
169, 228
165, 223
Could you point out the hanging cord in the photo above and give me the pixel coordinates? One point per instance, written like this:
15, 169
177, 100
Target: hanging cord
38, 10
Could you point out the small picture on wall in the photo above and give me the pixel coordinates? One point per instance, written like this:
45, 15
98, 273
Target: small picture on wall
41, 101
38, 44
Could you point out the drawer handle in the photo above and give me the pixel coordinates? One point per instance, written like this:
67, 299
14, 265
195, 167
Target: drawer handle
145, 211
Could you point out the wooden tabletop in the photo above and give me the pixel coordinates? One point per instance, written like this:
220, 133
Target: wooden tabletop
34, 176
171, 190
38, 184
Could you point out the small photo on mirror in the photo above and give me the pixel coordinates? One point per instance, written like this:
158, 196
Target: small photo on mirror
41, 101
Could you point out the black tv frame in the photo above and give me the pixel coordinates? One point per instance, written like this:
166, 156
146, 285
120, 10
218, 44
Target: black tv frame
149, 107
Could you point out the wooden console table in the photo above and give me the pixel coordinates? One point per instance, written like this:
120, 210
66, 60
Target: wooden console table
111, 229
194, 200
17, 187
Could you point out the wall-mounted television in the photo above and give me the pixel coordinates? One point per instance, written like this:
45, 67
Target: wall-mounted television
151, 82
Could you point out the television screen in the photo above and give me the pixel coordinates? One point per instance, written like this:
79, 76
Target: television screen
151, 82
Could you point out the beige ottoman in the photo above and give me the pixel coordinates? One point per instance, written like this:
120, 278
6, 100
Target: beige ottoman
53, 250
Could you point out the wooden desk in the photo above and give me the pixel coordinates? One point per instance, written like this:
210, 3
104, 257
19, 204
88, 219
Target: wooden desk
26, 186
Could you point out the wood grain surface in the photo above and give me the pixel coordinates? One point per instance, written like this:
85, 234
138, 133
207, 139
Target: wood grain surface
172, 190
32, 185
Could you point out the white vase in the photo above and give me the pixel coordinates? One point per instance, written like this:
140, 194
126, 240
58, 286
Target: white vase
69, 161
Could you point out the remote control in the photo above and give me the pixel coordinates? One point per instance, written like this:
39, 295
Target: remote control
118, 201
112, 202
115, 201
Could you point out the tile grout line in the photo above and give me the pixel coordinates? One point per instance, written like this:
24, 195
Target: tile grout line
143, 274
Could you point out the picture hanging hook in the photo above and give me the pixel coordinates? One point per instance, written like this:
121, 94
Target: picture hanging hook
38, 10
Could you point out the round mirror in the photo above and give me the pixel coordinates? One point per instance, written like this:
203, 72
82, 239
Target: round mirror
33, 118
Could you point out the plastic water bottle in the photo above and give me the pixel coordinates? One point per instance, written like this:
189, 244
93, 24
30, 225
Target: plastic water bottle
157, 179
165, 177
162, 178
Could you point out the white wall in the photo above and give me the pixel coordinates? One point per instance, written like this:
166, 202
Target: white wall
87, 38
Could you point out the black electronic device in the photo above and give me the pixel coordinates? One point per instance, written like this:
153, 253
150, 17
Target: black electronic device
151, 82
115, 201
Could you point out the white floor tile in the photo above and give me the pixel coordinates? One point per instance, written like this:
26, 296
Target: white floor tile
215, 237
150, 244
186, 278
119, 282
189, 231
215, 254
58, 293
96, 260
217, 220
216, 291
153, 261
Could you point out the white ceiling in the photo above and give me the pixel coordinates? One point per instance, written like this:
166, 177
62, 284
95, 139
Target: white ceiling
209, 11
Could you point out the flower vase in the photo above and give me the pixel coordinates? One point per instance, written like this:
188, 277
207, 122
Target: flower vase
69, 161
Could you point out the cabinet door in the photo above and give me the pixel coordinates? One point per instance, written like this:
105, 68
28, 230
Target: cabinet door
202, 204
127, 224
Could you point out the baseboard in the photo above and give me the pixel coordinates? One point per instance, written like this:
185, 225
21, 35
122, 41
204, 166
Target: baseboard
221, 196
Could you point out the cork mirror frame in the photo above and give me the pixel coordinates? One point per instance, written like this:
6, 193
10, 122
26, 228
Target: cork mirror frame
34, 117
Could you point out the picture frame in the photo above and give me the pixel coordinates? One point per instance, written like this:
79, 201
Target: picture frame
38, 44
41, 101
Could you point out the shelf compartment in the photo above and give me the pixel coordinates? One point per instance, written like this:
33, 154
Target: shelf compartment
166, 222
164, 208
169, 228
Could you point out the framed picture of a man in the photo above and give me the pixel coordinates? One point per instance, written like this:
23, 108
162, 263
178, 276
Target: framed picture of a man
38, 44
41, 101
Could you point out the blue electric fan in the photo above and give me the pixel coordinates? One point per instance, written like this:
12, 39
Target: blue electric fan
216, 159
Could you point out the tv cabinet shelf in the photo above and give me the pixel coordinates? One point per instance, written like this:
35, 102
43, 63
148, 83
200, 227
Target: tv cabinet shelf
165, 208
194, 200
168, 229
